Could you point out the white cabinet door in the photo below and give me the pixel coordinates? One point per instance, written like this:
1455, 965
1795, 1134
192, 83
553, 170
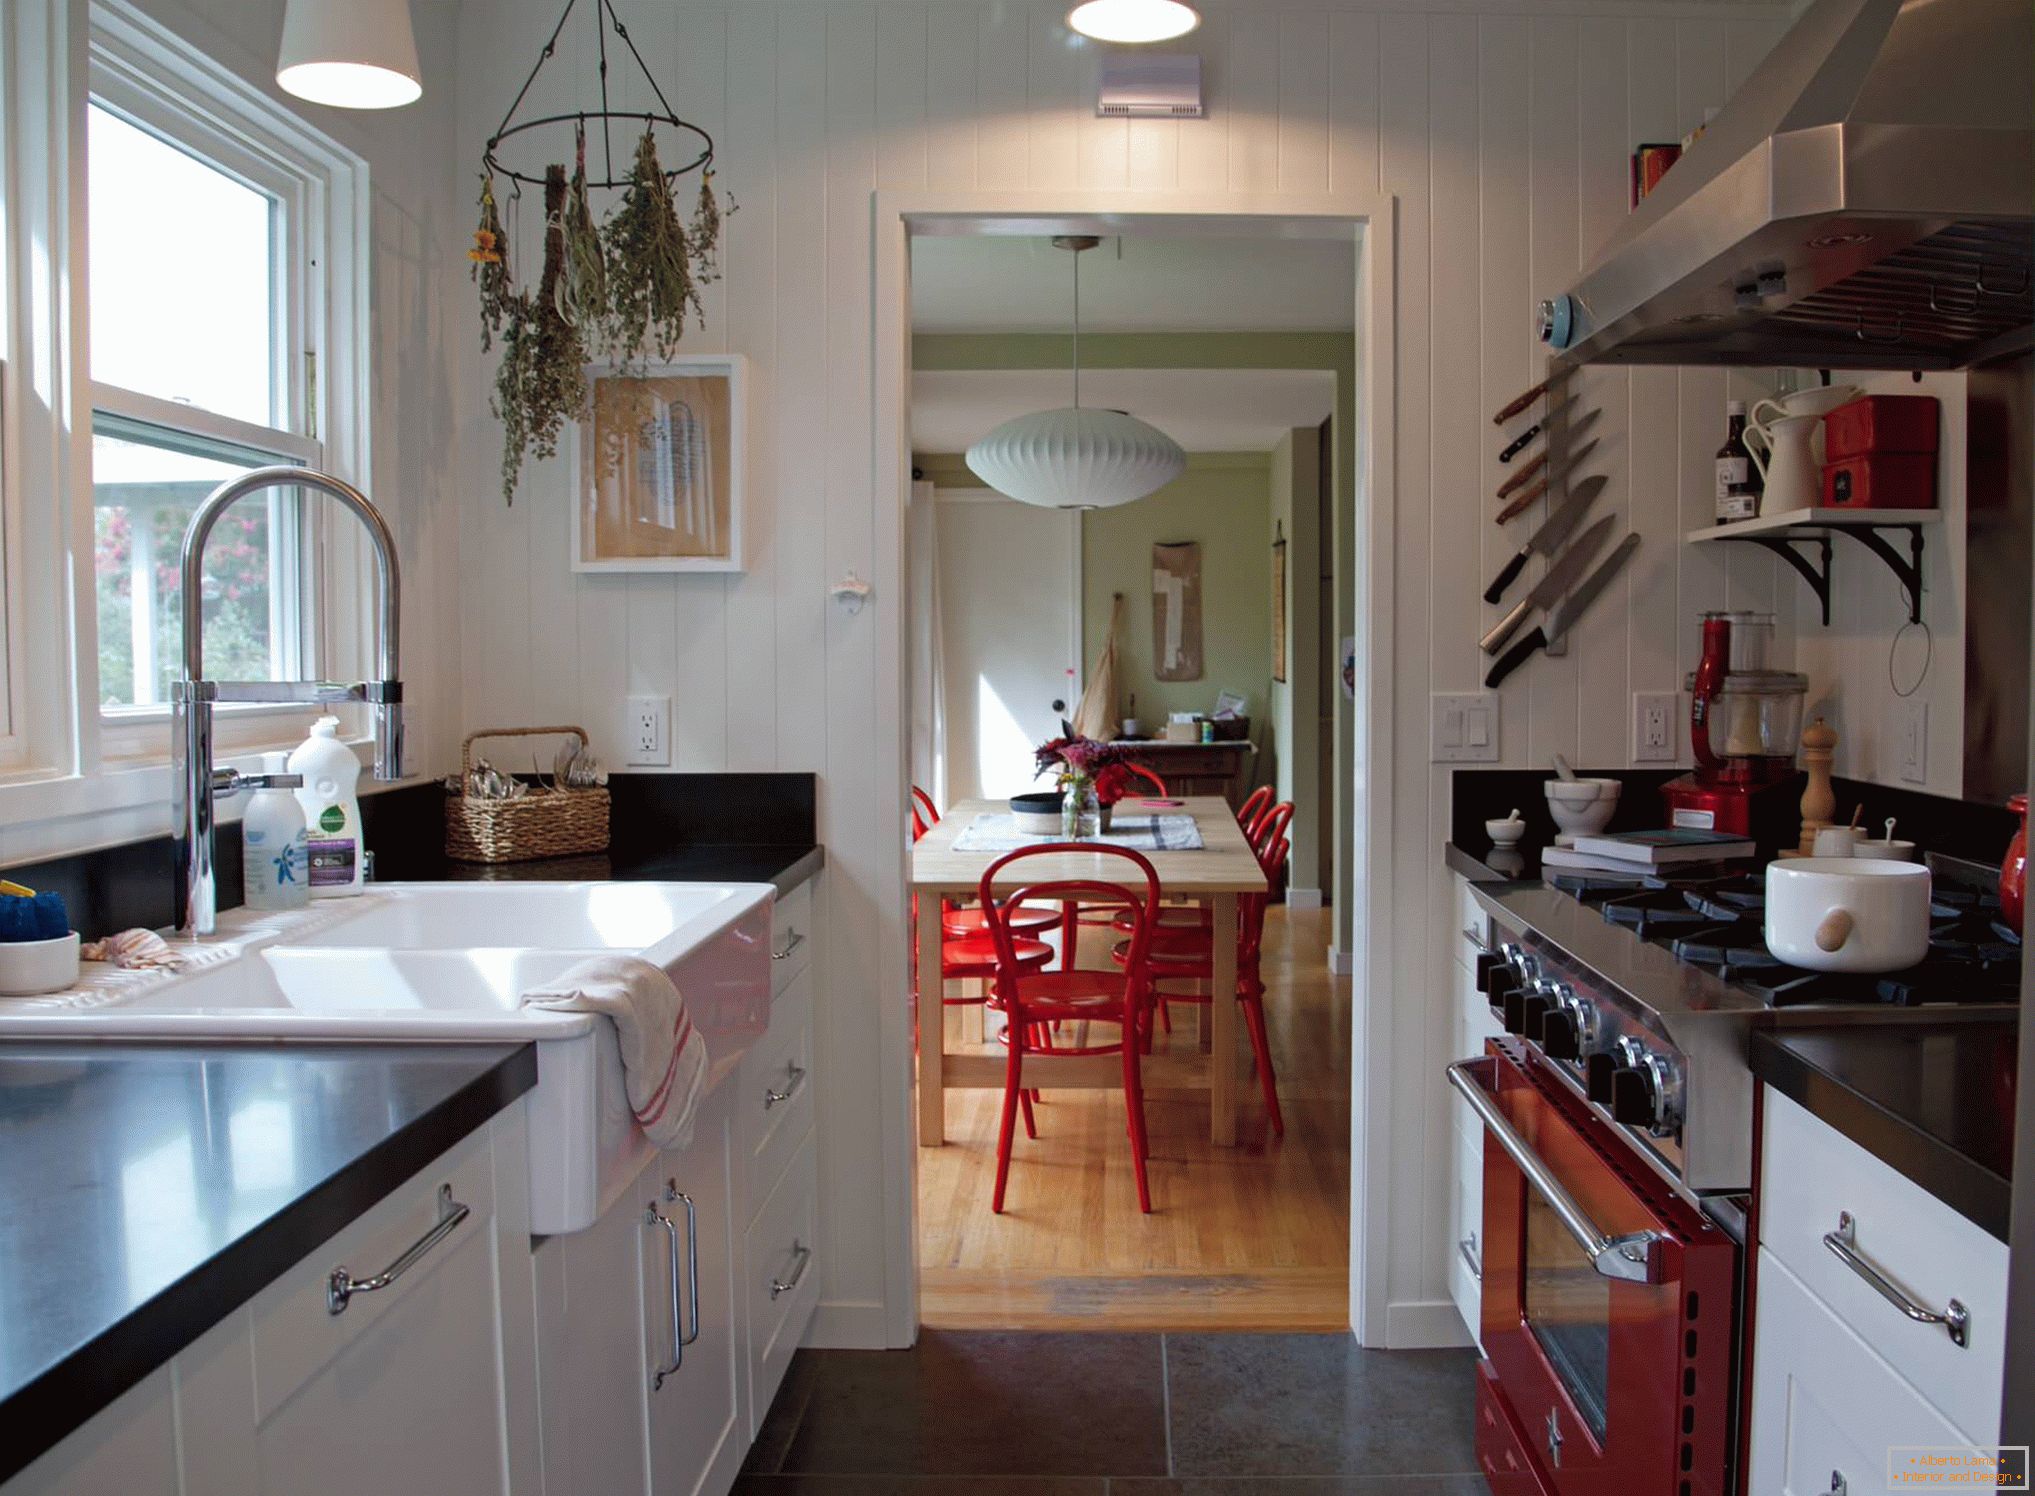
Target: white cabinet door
127, 1449
698, 1423
400, 1391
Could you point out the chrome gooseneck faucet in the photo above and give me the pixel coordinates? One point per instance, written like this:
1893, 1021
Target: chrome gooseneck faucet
193, 697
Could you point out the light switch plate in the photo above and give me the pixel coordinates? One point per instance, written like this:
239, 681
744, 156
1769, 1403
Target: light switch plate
1656, 727
1911, 745
1464, 728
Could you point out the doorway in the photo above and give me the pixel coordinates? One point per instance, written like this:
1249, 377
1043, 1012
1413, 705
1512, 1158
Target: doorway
1254, 1237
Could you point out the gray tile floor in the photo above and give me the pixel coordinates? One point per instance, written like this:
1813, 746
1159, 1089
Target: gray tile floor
996, 1414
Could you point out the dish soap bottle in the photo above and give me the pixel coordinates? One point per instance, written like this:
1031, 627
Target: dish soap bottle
331, 810
275, 866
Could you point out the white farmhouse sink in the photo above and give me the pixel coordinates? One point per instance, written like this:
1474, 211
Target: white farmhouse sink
437, 963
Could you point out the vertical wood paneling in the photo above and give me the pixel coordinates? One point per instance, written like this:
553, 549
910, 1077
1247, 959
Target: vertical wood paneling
1353, 57
1254, 107
1052, 100
953, 35
749, 170
1002, 62
1303, 103
1204, 143
901, 93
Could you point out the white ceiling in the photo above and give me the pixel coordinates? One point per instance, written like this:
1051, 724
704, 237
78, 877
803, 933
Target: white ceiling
1134, 284
1205, 410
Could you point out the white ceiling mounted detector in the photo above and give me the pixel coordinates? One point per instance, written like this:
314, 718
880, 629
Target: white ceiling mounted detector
1074, 458
1133, 22
350, 54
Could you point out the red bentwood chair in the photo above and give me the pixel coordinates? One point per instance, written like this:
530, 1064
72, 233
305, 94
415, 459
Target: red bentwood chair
1189, 956
1033, 1000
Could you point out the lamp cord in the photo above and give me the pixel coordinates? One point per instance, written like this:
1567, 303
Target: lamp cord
1077, 329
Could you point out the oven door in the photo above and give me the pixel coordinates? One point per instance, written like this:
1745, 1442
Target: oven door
1607, 1303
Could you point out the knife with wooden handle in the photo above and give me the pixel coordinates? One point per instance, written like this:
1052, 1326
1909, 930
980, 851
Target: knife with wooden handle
1525, 438
1521, 502
1522, 475
1564, 617
1513, 407
1548, 588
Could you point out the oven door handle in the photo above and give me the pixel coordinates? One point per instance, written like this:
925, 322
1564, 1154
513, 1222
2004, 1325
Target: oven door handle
1630, 1257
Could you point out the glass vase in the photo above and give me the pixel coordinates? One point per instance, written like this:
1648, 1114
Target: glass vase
1080, 814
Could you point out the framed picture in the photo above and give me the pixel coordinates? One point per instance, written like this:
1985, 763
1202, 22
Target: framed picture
1279, 606
660, 467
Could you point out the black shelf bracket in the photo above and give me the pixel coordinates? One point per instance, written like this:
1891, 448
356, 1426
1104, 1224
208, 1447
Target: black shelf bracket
1808, 551
1816, 573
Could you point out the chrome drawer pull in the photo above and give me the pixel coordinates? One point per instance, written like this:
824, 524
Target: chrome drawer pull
1468, 1247
801, 1259
1955, 1318
1470, 934
790, 945
341, 1286
1630, 1257
1839, 1486
795, 1078
679, 1338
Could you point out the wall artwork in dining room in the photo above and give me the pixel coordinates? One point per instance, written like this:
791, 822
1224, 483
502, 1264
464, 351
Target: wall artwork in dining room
1176, 610
1279, 606
660, 468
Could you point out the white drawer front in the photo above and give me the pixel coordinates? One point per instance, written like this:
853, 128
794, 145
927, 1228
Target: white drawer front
783, 1275
1470, 931
774, 1093
1466, 1234
1811, 1175
1823, 1404
791, 935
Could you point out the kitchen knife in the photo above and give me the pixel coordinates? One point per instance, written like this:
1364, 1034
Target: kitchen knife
1520, 502
1523, 474
1564, 617
1525, 438
1549, 537
1514, 407
1551, 586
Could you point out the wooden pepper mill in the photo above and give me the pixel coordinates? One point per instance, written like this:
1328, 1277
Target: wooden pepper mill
1819, 799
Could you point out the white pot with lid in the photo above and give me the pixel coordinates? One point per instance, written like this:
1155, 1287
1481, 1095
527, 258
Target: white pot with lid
1858, 914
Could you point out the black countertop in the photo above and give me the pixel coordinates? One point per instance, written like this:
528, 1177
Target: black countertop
151, 1189
783, 866
1935, 1102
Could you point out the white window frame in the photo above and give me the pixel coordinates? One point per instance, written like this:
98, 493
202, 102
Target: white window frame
158, 83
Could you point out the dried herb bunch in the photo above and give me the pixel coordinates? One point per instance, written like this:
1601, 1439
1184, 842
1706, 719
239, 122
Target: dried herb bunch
542, 382
491, 265
583, 280
650, 280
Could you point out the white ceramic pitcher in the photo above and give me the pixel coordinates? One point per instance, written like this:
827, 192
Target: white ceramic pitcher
1783, 451
1817, 400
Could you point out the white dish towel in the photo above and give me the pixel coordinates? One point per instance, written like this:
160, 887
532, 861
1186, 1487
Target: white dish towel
664, 1058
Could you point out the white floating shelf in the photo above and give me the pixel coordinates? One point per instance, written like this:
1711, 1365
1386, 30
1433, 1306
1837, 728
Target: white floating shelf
1815, 520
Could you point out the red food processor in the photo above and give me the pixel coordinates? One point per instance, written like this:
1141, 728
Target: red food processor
1745, 720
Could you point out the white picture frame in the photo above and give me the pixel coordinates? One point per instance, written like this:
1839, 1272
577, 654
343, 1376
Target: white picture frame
682, 509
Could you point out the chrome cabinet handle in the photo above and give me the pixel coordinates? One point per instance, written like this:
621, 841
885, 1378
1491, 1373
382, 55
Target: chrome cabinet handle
795, 1079
1839, 1486
1470, 934
790, 945
801, 1259
1630, 1257
1471, 1258
341, 1286
1843, 1245
679, 1338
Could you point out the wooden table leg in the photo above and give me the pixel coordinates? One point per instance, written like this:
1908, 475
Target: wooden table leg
932, 1033
1222, 1011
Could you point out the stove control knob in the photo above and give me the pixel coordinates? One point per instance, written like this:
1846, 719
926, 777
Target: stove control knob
1598, 1070
1645, 1089
1633, 1100
1540, 1000
1558, 1037
1488, 963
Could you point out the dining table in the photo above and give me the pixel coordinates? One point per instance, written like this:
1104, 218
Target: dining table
1213, 874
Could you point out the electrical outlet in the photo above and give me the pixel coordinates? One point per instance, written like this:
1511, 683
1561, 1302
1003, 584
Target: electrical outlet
1912, 746
648, 730
1655, 739
1465, 728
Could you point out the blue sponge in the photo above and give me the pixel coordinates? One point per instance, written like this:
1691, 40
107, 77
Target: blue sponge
40, 917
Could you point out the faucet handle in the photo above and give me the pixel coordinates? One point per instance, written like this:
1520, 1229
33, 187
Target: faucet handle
232, 782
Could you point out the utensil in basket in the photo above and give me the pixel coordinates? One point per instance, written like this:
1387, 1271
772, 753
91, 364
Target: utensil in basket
551, 821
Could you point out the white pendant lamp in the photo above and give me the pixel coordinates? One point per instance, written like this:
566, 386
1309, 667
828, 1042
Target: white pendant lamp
1133, 22
351, 54
1076, 458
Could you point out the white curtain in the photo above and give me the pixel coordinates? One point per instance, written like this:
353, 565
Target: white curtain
928, 669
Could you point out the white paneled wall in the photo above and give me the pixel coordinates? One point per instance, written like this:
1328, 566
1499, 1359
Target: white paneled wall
1504, 137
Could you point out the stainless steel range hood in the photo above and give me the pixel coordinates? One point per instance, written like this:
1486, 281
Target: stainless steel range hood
1866, 200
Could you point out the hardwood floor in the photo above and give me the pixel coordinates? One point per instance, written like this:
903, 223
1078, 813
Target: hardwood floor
1252, 1237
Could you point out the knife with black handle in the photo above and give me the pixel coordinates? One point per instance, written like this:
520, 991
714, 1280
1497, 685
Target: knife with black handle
1548, 538
1564, 617
1558, 580
1525, 438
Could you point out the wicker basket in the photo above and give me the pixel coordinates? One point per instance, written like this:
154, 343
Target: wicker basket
543, 823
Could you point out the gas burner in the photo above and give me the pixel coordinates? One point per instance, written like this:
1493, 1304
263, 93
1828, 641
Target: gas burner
1594, 888
1732, 949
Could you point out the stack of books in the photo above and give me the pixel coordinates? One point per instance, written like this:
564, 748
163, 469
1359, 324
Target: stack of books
1639, 853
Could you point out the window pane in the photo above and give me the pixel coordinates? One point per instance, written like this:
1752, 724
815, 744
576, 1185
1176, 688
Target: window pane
143, 496
181, 276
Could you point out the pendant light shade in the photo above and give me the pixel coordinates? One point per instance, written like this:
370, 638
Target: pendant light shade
1076, 458
351, 54
1133, 21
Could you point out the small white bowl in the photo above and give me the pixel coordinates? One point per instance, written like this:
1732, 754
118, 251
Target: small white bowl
1897, 850
1505, 832
31, 967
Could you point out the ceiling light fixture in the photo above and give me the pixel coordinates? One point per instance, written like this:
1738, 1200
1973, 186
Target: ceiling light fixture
1076, 458
1133, 22
350, 54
